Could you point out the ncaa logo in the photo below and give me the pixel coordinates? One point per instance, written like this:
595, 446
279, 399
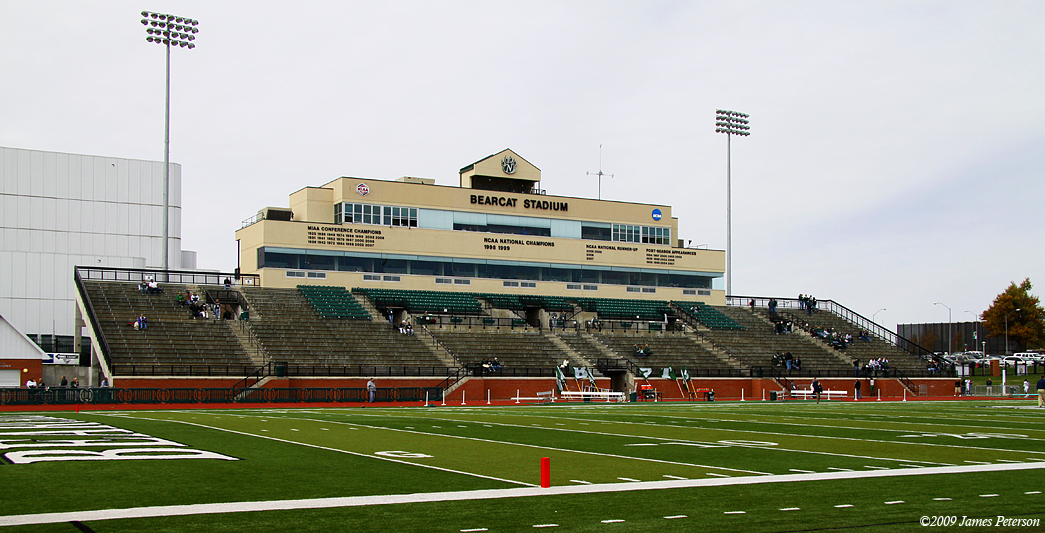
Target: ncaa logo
362, 189
656, 214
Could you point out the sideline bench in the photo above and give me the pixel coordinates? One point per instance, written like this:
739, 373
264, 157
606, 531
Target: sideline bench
592, 395
806, 393
541, 397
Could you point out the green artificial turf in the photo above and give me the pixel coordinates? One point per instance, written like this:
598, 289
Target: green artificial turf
315, 453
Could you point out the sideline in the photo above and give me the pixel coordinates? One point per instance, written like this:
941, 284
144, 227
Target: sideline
357, 501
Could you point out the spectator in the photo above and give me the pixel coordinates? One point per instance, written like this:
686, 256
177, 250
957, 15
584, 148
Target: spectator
30, 384
63, 383
105, 383
646, 352
1041, 391
228, 284
75, 384
180, 299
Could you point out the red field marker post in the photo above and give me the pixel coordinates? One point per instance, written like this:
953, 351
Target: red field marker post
546, 472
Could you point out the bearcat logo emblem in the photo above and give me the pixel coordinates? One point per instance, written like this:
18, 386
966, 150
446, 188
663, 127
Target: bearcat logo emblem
508, 164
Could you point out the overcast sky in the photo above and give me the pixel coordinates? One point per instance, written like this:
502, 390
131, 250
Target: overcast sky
896, 155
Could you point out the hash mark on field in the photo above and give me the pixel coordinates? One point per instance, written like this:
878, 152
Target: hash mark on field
941, 499
440, 427
921, 466
988, 495
292, 429
791, 509
715, 475
628, 479
877, 467
840, 469
582, 482
801, 471
643, 444
324, 429
977, 462
894, 502
669, 476
676, 516
1007, 461
1033, 492
844, 505
462, 426
735, 512
546, 525
612, 521
473, 530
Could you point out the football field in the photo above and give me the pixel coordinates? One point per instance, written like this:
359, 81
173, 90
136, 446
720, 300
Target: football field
742, 466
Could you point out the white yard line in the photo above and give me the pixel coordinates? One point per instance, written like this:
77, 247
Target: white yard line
318, 447
357, 501
617, 456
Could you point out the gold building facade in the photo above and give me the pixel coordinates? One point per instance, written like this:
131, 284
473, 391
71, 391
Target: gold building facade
495, 232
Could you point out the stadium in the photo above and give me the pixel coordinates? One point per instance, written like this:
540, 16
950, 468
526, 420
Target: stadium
377, 281
491, 357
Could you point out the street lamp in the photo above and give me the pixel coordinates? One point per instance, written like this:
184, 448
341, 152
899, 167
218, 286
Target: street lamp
975, 328
950, 338
876, 312
1017, 310
168, 30
731, 123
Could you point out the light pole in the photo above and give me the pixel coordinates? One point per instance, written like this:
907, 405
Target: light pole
975, 329
1017, 310
731, 123
876, 312
950, 338
178, 31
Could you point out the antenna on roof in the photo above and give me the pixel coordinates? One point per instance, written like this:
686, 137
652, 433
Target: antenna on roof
600, 173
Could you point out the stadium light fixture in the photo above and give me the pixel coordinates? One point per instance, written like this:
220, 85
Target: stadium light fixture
168, 30
731, 123
950, 338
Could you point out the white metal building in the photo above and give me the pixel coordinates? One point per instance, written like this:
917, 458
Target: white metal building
59, 210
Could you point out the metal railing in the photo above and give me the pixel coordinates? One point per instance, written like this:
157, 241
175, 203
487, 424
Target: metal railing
68, 396
96, 330
187, 277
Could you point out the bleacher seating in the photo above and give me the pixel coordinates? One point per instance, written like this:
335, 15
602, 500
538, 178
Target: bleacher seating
318, 326
627, 309
514, 349
173, 338
860, 350
707, 315
676, 351
334, 302
291, 330
756, 344
457, 303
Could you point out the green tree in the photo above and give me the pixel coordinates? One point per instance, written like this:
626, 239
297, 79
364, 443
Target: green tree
1026, 326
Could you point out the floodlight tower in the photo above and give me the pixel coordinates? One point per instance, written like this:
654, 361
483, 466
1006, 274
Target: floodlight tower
731, 123
178, 31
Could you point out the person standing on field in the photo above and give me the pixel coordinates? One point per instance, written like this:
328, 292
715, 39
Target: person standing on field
1041, 392
856, 388
371, 389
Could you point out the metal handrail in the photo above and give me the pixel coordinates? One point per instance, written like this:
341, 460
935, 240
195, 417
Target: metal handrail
188, 277
95, 327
